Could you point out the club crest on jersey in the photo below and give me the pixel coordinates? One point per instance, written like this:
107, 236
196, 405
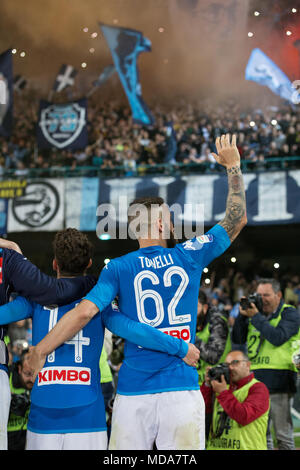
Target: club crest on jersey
62, 124
205, 238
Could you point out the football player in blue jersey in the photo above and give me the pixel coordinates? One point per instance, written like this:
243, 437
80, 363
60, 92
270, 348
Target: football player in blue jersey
18, 274
158, 398
67, 407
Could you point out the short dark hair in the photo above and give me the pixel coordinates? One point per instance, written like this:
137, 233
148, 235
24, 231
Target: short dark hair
147, 202
72, 251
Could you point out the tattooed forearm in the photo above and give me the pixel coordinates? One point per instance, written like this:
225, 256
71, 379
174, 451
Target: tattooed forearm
235, 217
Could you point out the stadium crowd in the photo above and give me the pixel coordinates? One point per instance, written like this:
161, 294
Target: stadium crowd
115, 142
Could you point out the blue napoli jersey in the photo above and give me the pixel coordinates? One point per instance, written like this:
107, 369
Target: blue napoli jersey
18, 274
67, 395
71, 375
159, 287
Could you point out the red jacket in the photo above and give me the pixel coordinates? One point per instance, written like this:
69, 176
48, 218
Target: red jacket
255, 405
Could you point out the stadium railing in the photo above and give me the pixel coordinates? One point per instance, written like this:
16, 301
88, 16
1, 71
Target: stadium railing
175, 169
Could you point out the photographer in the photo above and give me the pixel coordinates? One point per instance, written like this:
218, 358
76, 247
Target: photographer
20, 384
212, 335
239, 404
271, 330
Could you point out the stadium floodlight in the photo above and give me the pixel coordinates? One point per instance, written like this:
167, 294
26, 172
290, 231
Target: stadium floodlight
276, 265
104, 236
106, 261
233, 259
205, 270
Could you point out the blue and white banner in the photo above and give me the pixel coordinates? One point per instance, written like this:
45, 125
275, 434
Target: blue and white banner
40, 208
6, 93
125, 46
63, 126
81, 203
263, 70
273, 198
3, 216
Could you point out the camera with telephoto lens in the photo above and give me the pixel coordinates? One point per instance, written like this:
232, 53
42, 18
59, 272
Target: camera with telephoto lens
255, 299
215, 373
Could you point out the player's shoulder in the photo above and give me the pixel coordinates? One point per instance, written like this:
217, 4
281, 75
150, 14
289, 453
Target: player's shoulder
12, 256
216, 233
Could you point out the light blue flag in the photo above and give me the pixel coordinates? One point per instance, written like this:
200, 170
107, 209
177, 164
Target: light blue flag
125, 46
263, 70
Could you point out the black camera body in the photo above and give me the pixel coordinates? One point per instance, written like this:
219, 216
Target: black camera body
255, 299
20, 403
215, 373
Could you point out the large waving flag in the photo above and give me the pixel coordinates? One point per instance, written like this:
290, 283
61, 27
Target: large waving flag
125, 46
263, 70
6, 93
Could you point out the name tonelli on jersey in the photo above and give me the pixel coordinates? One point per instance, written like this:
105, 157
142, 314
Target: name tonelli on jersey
65, 376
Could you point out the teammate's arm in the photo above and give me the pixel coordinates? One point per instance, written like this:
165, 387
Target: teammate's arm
27, 280
228, 156
149, 337
18, 309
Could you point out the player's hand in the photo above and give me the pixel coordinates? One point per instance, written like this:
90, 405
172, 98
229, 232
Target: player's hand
228, 154
10, 245
193, 356
36, 361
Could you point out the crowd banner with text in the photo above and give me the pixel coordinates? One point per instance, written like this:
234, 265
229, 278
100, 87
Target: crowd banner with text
273, 198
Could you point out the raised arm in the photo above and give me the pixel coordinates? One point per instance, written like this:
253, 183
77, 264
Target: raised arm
228, 156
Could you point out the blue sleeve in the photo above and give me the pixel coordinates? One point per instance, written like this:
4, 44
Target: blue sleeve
142, 334
205, 248
27, 280
17, 310
106, 288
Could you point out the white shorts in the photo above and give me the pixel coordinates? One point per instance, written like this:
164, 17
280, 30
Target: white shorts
70, 441
171, 420
5, 397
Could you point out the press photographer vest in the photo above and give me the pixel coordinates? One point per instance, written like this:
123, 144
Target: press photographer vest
237, 437
204, 336
263, 355
16, 423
